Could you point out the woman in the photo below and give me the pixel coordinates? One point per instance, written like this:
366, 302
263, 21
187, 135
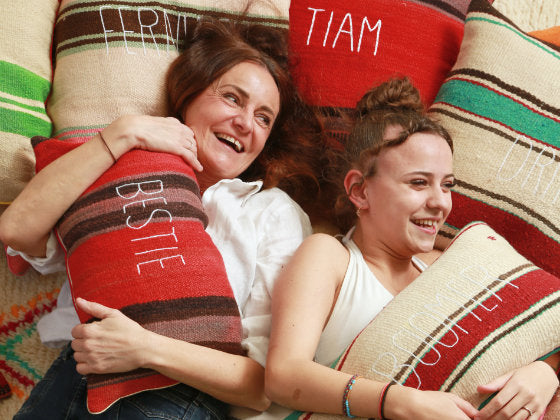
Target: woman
397, 191
239, 122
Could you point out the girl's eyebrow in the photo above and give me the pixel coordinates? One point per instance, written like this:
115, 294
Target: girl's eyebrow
242, 92
427, 174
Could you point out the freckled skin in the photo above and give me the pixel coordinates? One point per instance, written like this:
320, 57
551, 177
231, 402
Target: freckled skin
297, 394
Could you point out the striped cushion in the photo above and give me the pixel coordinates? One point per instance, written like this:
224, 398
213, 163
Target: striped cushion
501, 104
111, 57
25, 82
135, 241
343, 48
479, 311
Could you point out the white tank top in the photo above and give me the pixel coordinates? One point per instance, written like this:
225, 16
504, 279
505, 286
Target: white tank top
361, 298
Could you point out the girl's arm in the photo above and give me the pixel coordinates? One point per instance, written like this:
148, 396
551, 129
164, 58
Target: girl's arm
118, 344
531, 386
53, 190
301, 305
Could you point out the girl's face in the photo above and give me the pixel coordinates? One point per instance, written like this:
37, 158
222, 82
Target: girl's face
409, 197
231, 120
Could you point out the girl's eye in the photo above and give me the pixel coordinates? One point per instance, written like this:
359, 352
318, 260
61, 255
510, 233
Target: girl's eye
449, 185
419, 182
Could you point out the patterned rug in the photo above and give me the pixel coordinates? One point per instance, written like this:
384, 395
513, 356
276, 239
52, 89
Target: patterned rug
23, 359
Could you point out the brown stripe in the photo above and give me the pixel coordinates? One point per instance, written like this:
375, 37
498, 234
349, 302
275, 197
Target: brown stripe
114, 220
99, 380
514, 90
529, 317
72, 27
196, 329
160, 311
456, 315
443, 6
498, 132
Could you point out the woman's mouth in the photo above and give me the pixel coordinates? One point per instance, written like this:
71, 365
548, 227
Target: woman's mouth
230, 141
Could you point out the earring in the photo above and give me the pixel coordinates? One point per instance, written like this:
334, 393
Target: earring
358, 212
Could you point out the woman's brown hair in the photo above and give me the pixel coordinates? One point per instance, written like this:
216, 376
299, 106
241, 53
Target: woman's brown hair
289, 159
394, 103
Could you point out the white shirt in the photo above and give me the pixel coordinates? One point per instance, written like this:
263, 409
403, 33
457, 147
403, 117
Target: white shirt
255, 230
360, 299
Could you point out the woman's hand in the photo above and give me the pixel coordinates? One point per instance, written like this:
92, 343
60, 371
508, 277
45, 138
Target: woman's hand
521, 392
113, 344
157, 134
408, 403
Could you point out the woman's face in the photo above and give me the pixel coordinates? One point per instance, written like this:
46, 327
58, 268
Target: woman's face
409, 197
231, 120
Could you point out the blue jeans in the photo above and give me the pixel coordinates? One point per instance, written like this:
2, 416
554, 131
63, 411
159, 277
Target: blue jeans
61, 394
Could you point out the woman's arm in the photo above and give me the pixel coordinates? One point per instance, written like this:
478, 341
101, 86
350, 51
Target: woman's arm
301, 305
531, 386
118, 344
53, 190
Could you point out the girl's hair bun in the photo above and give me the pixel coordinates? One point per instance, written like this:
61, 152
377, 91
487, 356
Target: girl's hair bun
395, 94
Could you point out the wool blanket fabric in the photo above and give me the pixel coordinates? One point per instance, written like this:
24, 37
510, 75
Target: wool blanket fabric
135, 241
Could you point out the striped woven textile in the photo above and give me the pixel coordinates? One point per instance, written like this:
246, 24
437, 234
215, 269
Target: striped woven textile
341, 49
135, 241
112, 56
501, 104
479, 311
25, 82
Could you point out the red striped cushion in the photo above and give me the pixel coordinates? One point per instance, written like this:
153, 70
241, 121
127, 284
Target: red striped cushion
504, 117
479, 311
135, 241
343, 48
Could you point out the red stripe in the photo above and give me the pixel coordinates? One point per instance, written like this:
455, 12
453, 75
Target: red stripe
116, 264
528, 240
533, 287
24, 380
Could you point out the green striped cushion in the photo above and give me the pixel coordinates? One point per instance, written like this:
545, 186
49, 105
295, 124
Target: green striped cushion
479, 311
501, 104
111, 57
25, 83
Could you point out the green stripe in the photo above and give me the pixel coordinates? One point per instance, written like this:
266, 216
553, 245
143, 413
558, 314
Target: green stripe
481, 101
40, 110
24, 124
517, 32
19, 81
9, 351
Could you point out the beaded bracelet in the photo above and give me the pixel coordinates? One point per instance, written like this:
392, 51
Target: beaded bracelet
382, 400
345, 403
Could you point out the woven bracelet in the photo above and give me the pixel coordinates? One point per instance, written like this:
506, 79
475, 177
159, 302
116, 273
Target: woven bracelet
382, 400
347, 389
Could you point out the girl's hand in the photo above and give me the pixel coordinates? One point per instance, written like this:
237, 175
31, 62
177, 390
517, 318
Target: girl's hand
113, 344
426, 405
522, 394
156, 134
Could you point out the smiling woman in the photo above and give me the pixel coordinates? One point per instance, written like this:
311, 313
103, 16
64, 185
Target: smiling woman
396, 179
237, 120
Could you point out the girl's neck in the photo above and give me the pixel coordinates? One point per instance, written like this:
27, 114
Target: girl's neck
392, 270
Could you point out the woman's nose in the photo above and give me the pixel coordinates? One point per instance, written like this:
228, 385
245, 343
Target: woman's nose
243, 120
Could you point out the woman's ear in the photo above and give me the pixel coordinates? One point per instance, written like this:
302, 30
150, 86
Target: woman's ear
354, 185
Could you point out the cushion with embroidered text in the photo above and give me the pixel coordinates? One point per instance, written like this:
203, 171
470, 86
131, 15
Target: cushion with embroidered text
479, 311
505, 124
135, 241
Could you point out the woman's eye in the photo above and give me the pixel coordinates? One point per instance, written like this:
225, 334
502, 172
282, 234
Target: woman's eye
264, 119
231, 97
